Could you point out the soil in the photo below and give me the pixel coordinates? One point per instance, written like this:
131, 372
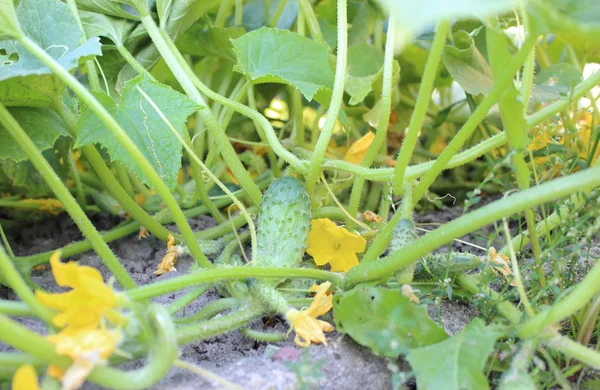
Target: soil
342, 364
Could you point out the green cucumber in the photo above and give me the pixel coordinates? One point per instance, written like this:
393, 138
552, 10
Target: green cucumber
442, 265
403, 236
283, 224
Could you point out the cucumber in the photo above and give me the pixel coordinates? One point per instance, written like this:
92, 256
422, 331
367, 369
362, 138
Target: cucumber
403, 236
283, 224
442, 265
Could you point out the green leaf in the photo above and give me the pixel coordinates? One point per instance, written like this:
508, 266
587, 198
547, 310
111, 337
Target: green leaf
456, 363
555, 82
210, 41
269, 55
52, 26
467, 66
364, 63
254, 14
9, 27
98, 25
385, 321
575, 21
415, 17
196, 10
144, 125
43, 126
108, 7
30, 91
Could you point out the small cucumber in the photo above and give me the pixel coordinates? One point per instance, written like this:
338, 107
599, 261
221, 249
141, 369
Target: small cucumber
441, 265
403, 236
283, 224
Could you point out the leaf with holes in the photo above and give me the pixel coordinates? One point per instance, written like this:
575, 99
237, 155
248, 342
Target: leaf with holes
144, 125
456, 363
43, 126
270, 55
385, 321
52, 26
24, 80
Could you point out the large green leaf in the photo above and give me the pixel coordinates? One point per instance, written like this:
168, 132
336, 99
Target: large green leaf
385, 321
98, 25
575, 21
43, 127
24, 80
467, 66
8, 19
210, 41
144, 125
456, 363
108, 7
364, 63
414, 17
52, 26
270, 55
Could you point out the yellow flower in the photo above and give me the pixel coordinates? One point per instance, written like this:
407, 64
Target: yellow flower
87, 348
358, 149
51, 206
25, 378
500, 263
86, 304
409, 292
143, 233
370, 216
304, 322
328, 243
168, 262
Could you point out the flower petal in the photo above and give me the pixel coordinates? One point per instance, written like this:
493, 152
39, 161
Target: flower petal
25, 378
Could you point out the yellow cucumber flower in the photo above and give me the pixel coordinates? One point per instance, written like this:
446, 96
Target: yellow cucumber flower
87, 348
50, 206
328, 243
89, 300
304, 322
168, 262
357, 151
25, 378
501, 263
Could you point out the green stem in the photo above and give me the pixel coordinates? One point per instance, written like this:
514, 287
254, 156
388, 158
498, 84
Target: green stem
120, 134
275, 19
182, 72
6, 243
262, 135
575, 350
219, 325
187, 298
265, 337
423, 99
222, 14
131, 60
63, 194
76, 178
210, 310
385, 105
239, 12
467, 223
298, 117
470, 125
215, 275
311, 19
335, 105
18, 285
123, 178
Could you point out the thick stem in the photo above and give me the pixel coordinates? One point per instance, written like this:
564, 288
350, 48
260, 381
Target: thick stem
215, 275
336, 98
423, 99
311, 19
467, 130
467, 223
62, 193
179, 69
385, 105
120, 134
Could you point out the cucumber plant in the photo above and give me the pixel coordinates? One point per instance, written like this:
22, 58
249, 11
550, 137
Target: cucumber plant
339, 122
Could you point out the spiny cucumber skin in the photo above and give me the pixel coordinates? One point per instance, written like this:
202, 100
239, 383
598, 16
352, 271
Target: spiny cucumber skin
441, 265
283, 224
403, 236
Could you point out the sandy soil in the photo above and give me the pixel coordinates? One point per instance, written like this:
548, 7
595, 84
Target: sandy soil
240, 360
